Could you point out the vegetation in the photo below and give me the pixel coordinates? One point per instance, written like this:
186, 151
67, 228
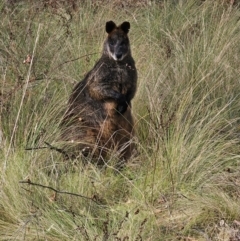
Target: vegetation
184, 184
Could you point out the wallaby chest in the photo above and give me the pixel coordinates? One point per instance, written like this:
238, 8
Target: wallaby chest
122, 77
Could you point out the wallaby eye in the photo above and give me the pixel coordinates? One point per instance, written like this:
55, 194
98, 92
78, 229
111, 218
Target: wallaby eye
111, 42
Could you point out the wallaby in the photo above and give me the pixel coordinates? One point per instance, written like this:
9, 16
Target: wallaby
98, 118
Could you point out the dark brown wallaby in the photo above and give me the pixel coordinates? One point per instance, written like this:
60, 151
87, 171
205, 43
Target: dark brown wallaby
98, 118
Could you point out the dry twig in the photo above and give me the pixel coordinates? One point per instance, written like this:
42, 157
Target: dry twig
28, 181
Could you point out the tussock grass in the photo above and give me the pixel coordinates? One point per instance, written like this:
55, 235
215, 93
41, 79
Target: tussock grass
184, 183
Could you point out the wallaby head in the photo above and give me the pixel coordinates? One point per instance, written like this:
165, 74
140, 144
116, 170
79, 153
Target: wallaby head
117, 43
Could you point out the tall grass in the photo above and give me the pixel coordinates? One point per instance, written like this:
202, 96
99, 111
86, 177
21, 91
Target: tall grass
184, 183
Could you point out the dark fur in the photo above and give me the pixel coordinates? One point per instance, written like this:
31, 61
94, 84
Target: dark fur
99, 116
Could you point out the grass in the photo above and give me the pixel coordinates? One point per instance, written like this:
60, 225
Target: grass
183, 185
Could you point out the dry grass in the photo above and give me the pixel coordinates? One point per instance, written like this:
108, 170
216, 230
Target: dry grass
183, 185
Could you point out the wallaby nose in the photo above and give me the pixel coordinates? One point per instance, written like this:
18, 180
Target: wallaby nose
119, 55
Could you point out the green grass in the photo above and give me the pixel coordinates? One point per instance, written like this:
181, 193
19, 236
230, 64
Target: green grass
183, 185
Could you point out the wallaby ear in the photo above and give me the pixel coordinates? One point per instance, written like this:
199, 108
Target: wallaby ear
110, 26
125, 26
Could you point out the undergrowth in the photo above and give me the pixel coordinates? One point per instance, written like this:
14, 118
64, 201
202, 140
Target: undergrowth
184, 182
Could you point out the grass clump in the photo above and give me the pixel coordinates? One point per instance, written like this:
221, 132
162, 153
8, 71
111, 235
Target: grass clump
184, 183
